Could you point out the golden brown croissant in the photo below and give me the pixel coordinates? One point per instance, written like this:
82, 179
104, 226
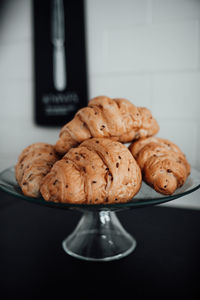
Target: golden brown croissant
98, 171
118, 119
33, 164
163, 164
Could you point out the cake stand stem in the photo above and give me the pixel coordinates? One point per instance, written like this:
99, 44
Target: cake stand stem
99, 236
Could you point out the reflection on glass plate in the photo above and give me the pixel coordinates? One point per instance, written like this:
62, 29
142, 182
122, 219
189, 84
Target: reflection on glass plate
146, 195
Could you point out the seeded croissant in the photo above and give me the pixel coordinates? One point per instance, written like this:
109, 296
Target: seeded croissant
163, 164
33, 164
104, 117
98, 171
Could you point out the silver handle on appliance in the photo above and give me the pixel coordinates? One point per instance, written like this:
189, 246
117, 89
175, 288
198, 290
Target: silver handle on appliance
58, 41
59, 70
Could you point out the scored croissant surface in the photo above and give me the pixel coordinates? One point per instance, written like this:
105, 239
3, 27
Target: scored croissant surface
163, 164
98, 171
33, 164
118, 119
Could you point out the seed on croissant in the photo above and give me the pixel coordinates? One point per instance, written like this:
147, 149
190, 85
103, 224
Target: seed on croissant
108, 182
163, 164
109, 118
34, 162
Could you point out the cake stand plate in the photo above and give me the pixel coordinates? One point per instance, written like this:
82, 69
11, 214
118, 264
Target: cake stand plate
99, 235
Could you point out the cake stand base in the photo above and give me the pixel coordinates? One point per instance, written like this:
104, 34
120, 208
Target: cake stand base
99, 236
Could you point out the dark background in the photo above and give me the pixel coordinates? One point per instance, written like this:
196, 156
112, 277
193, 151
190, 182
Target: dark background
165, 262
75, 49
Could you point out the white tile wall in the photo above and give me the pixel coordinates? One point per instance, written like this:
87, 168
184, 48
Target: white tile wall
177, 94
151, 55
145, 50
136, 87
167, 46
175, 9
18, 55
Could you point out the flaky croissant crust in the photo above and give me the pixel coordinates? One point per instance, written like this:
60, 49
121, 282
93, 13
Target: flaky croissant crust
98, 171
33, 164
118, 119
163, 164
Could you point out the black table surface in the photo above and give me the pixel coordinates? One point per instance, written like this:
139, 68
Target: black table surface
166, 261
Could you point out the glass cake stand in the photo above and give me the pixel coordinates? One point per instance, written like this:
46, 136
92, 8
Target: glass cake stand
99, 235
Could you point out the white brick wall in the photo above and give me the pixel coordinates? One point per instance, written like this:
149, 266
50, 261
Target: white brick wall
16, 83
145, 50
149, 52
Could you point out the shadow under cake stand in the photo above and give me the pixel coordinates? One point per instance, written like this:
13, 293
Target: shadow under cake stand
99, 235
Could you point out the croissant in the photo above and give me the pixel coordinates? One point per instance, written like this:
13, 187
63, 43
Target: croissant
33, 164
163, 164
104, 117
98, 171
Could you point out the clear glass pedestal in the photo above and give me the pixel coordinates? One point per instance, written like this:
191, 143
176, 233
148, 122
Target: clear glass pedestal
99, 236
